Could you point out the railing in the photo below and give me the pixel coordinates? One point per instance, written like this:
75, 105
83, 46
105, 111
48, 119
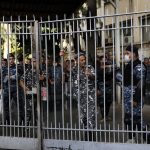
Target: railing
47, 96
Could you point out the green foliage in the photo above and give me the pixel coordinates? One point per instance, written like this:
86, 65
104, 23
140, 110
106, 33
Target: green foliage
9, 39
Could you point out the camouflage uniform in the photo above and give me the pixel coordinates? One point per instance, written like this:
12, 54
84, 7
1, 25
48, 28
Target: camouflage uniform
86, 92
30, 78
139, 73
10, 78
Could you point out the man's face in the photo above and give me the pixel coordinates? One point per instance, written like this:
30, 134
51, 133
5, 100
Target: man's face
146, 61
102, 62
29, 61
129, 56
49, 61
54, 63
4, 63
11, 61
82, 61
42, 60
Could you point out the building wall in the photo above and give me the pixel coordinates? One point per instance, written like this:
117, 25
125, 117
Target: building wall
127, 6
141, 5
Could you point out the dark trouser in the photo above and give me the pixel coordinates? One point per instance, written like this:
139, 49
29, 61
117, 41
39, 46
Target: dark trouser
137, 126
105, 104
89, 135
105, 109
55, 97
31, 109
19, 104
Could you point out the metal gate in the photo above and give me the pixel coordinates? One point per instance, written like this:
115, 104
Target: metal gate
59, 82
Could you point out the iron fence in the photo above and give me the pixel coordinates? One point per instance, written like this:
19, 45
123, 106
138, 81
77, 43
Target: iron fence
60, 86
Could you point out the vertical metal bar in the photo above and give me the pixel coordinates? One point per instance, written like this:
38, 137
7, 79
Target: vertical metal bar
41, 72
26, 29
118, 134
122, 70
62, 87
14, 126
49, 26
70, 79
16, 68
95, 53
57, 26
141, 94
51, 126
32, 98
109, 133
59, 132
146, 134
61, 40
45, 72
73, 25
78, 45
47, 80
19, 26
29, 132
67, 132
113, 63
100, 133
87, 86
19, 33
36, 34
104, 92
137, 137
54, 55
104, 49
114, 102
8, 50
3, 98
132, 28
90, 23
1, 78
17, 84
117, 46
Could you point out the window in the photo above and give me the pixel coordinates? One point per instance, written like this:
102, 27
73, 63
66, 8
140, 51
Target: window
145, 28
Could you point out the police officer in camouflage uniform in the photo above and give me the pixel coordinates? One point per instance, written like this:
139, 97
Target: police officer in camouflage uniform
11, 77
84, 88
133, 99
28, 82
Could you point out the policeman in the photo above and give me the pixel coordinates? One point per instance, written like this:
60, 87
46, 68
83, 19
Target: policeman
134, 81
11, 77
104, 101
29, 82
83, 87
55, 80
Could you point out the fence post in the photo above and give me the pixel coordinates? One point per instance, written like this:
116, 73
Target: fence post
117, 47
39, 130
